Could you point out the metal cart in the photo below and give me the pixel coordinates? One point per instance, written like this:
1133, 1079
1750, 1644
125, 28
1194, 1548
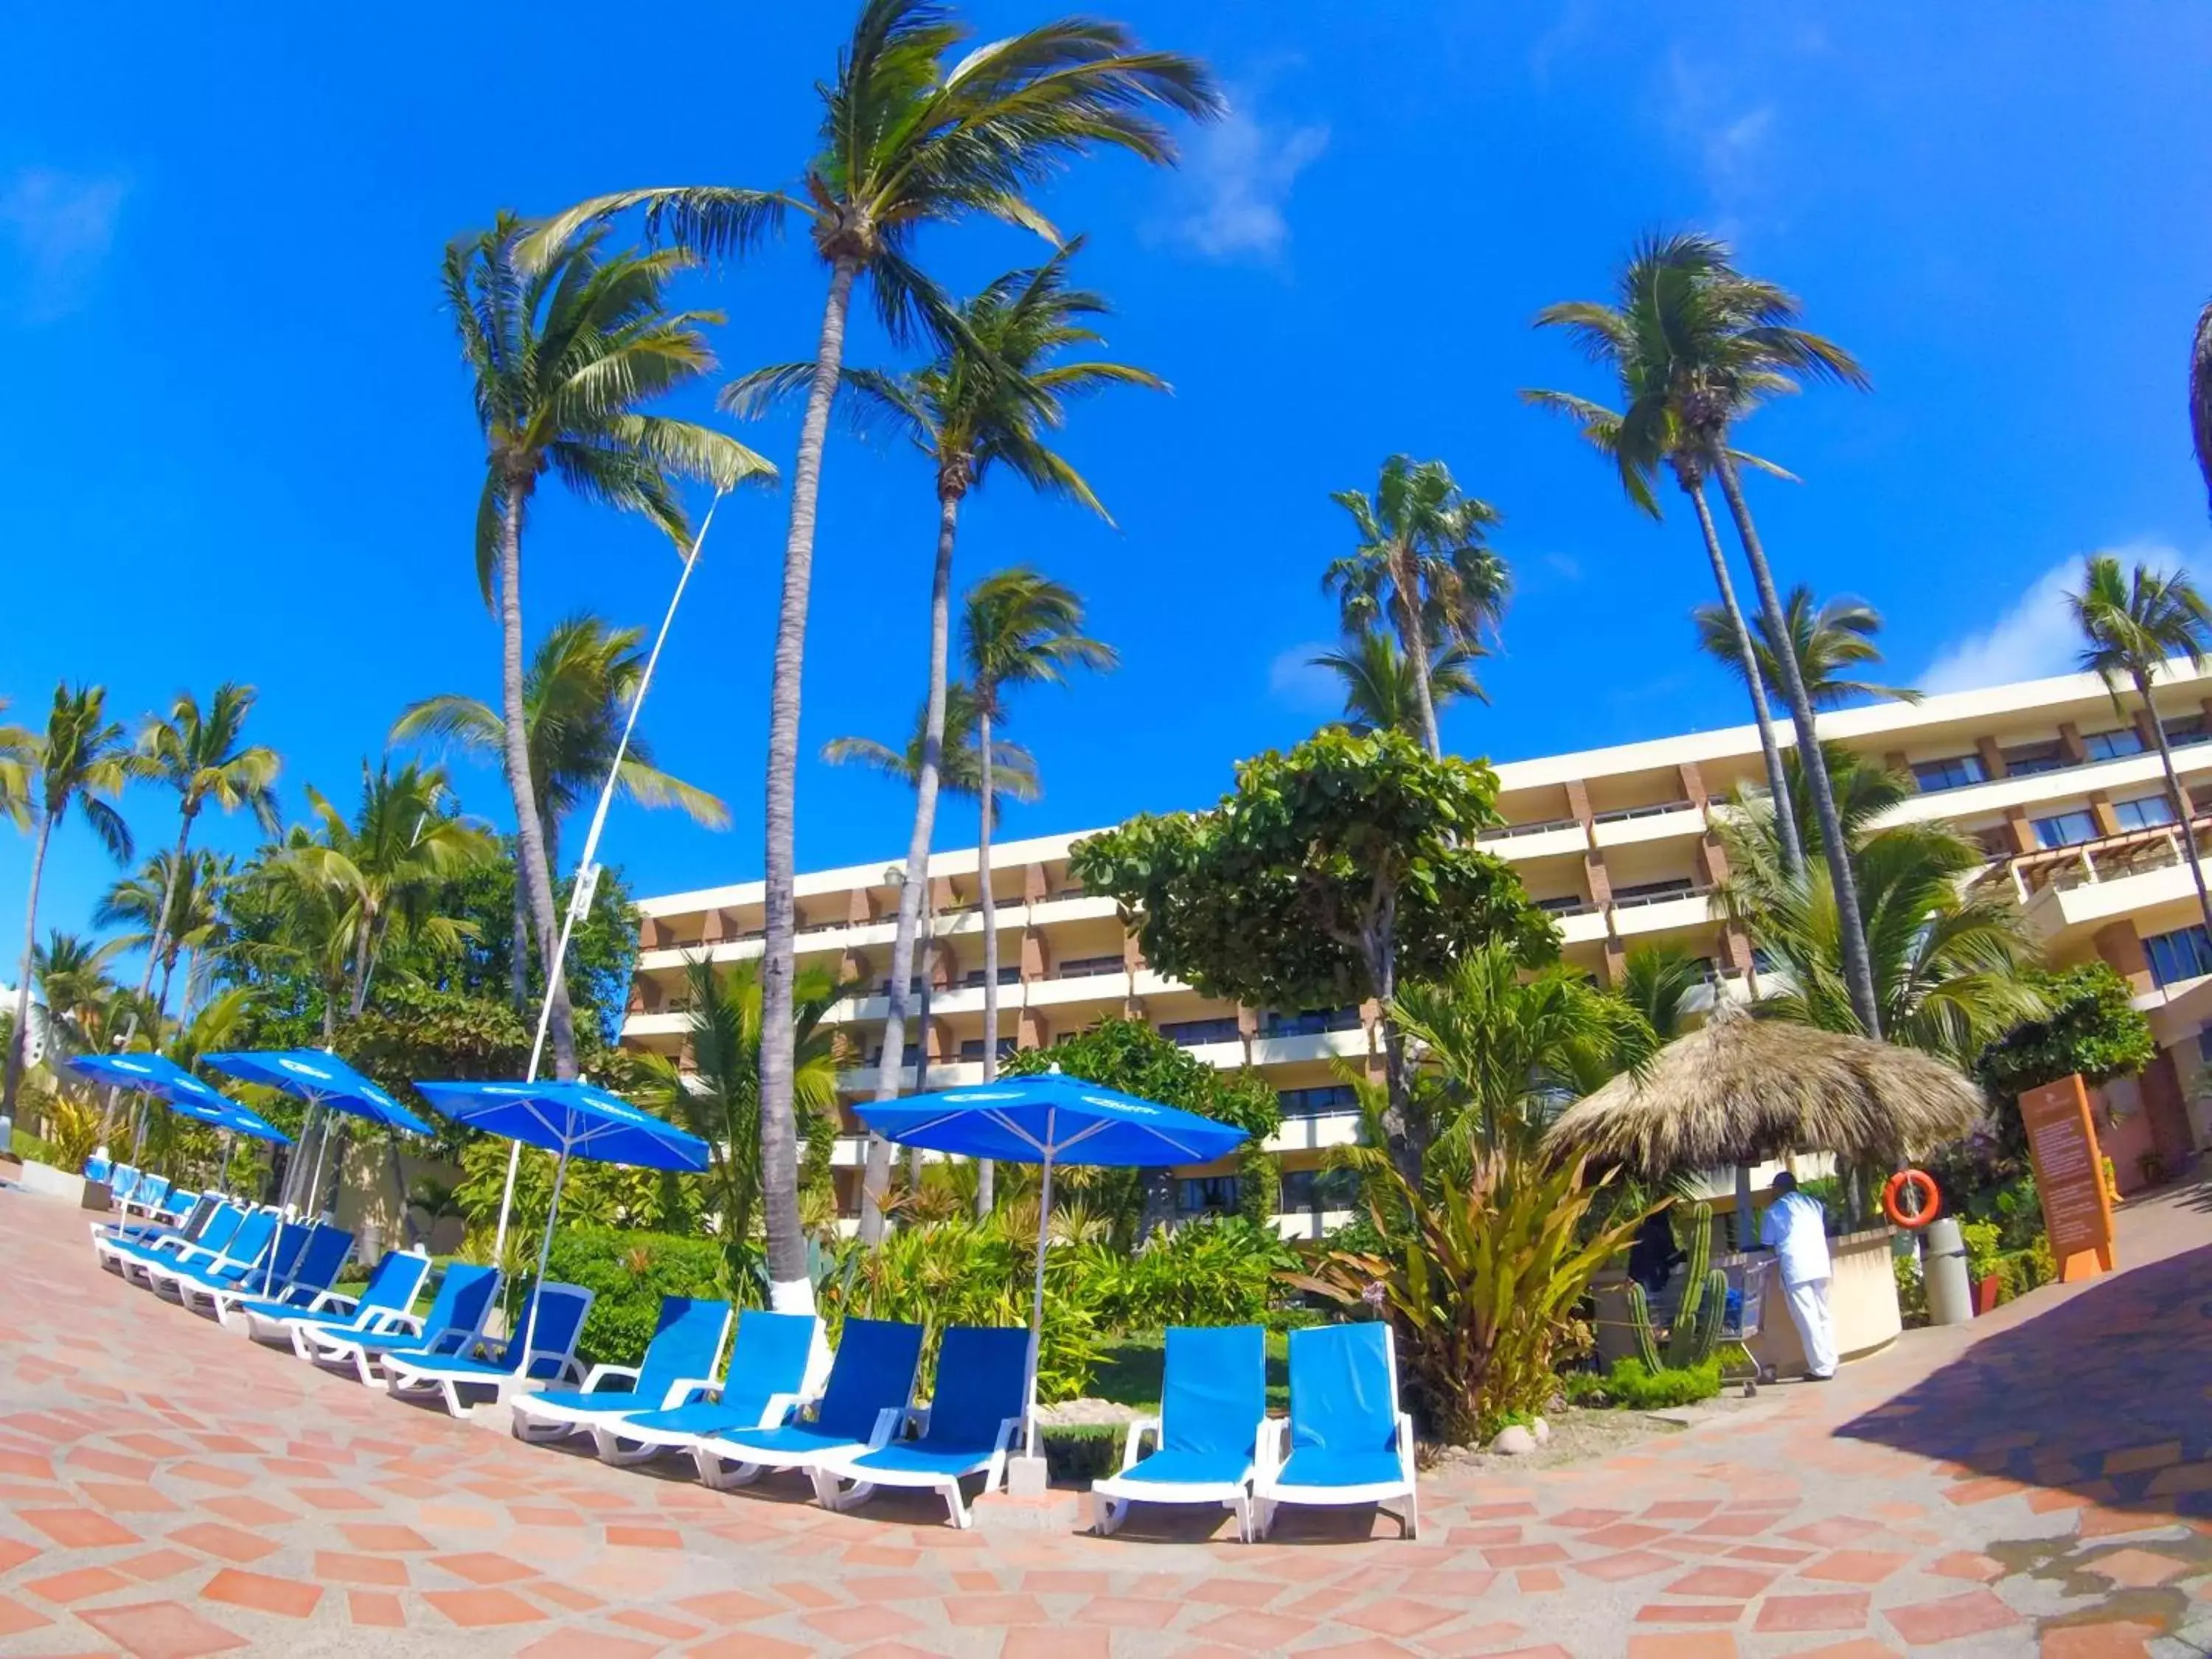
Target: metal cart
1749, 1278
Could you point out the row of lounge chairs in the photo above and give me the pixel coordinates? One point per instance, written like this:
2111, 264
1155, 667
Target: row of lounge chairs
770, 1409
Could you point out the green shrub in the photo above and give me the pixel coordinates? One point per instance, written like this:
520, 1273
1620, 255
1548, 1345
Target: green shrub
29, 1147
1080, 1452
1219, 1270
1985, 1241
1632, 1387
629, 1272
1911, 1291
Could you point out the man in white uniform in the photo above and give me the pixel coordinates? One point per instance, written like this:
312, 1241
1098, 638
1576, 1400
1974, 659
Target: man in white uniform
1795, 1228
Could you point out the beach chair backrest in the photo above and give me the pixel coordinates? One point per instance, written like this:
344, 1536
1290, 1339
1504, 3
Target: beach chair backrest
1344, 1387
317, 1269
873, 1372
769, 1358
982, 1379
122, 1180
687, 1342
396, 1283
150, 1191
552, 1321
97, 1168
251, 1240
221, 1228
462, 1300
194, 1225
1215, 1392
292, 1238
178, 1203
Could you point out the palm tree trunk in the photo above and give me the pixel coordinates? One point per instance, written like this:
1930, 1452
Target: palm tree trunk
1777, 781
2183, 810
529, 832
875, 1178
789, 1289
18, 1040
987, 1173
358, 997
1415, 639
1858, 970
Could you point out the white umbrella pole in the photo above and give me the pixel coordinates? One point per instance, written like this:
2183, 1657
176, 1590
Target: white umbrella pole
314, 1192
288, 1199
580, 902
1036, 1298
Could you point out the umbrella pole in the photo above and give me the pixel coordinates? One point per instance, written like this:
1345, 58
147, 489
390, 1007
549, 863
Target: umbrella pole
313, 1196
544, 1251
1036, 1296
288, 1196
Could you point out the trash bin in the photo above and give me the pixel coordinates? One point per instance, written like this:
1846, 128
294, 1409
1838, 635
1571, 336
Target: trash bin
1943, 1270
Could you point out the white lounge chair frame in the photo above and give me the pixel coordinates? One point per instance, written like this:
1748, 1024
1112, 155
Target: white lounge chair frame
828, 1471
1269, 1489
1111, 1496
404, 1374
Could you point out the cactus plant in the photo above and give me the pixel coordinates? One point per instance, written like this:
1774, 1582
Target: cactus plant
1639, 1320
1696, 1330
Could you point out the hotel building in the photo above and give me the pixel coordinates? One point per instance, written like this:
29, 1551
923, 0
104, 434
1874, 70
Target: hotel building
2062, 791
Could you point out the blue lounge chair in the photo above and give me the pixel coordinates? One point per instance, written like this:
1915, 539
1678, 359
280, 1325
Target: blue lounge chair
866, 1405
122, 1181
387, 1298
551, 1320
983, 1389
1214, 1412
1348, 1441
146, 1193
313, 1273
117, 1253
186, 1221
256, 1233
765, 1381
683, 1357
97, 1168
271, 1270
453, 1325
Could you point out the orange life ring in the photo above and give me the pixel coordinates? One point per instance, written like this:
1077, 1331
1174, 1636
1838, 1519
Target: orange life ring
1924, 1184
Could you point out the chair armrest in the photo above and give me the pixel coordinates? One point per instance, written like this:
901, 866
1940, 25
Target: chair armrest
600, 1374
688, 1390
330, 1300
1268, 1454
1138, 1428
780, 1409
1405, 1445
887, 1427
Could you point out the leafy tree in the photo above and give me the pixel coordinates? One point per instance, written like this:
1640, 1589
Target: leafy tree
17, 756
2130, 626
73, 980
1656, 980
911, 135
564, 350
79, 760
2200, 396
1330, 875
1423, 565
1831, 641
960, 769
172, 910
2092, 1026
1379, 692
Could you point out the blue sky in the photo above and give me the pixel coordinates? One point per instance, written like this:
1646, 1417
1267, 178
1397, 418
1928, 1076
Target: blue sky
240, 444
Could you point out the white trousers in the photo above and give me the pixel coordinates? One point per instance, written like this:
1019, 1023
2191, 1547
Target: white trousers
1808, 1312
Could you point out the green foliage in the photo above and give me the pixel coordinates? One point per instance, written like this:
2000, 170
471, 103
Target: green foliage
1079, 1453
1984, 1241
2092, 1027
594, 1195
1639, 1321
629, 1272
33, 1149
1484, 1284
1637, 1385
1698, 1316
1217, 1271
1912, 1290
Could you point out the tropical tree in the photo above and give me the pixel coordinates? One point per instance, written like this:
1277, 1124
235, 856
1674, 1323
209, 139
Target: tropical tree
172, 910
2130, 625
564, 350
1020, 627
1834, 639
1657, 981
911, 135
960, 768
1696, 345
81, 760
15, 761
2200, 396
1423, 565
73, 979
576, 695
1379, 691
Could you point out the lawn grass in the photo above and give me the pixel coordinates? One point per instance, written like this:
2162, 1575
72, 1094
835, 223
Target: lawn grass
1130, 1367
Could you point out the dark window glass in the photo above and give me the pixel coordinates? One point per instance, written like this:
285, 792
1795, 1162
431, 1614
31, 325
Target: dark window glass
1189, 1033
2030, 758
2121, 741
2185, 953
1320, 1100
1207, 1196
2066, 829
1952, 771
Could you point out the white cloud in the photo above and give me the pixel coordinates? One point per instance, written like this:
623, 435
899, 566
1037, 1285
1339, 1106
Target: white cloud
1235, 184
2036, 637
1730, 134
57, 228
1294, 679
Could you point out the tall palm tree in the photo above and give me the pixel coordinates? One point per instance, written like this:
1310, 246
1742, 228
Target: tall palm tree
174, 910
960, 768
911, 135
1020, 627
1696, 345
576, 694
73, 980
15, 760
2130, 625
1832, 639
2200, 396
1422, 563
1656, 980
1379, 693
564, 350
995, 393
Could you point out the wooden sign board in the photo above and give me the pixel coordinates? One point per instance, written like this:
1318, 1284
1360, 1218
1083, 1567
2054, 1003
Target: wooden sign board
2070, 1174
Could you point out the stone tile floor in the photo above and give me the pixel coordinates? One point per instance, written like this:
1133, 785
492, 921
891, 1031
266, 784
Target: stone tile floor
2041, 1482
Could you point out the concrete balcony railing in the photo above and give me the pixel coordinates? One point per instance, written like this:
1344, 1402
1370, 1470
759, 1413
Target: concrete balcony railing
1660, 912
1630, 826
1515, 842
2093, 882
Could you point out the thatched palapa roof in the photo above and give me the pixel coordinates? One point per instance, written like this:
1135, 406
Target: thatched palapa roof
1740, 1091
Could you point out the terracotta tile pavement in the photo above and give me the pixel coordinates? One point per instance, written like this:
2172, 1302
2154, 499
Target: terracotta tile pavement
171, 1490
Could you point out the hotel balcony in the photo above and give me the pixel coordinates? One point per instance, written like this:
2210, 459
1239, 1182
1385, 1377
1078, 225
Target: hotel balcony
1632, 826
1518, 841
1664, 913
2085, 885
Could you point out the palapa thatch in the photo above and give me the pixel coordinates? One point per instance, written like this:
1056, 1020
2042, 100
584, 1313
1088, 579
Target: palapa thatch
1742, 1091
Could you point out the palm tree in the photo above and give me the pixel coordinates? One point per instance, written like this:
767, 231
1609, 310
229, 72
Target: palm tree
81, 760
2131, 626
718, 1099
1657, 981
576, 694
563, 351
960, 769
2200, 396
1832, 639
172, 911
72, 976
996, 392
1020, 627
1696, 345
1422, 563
911, 135
1379, 693
15, 760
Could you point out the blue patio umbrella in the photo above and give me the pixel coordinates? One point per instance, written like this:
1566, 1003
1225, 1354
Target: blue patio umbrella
1045, 1120
321, 1079
184, 1094
570, 1120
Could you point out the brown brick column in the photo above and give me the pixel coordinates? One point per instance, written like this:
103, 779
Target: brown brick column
2100, 808
1035, 965
2070, 743
1992, 756
2121, 946
2021, 831
1032, 1029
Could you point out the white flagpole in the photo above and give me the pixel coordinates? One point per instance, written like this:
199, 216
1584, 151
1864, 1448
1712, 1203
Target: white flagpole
588, 874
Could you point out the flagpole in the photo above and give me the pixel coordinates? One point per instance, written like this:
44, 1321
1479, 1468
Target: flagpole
580, 901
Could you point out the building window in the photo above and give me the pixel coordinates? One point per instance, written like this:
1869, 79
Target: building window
2185, 953
1090, 967
972, 1047
1207, 1196
1317, 1189
1650, 889
2066, 829
1190, 1033
1567, 905
1952, 771
2030, 758
2190, 728
2143, 812
1006, 976
1320, 1100
2115, 744
1310, 1022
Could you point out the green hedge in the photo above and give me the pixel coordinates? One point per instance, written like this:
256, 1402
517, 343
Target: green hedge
1080, 1452
1632, 1387
629, 1272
